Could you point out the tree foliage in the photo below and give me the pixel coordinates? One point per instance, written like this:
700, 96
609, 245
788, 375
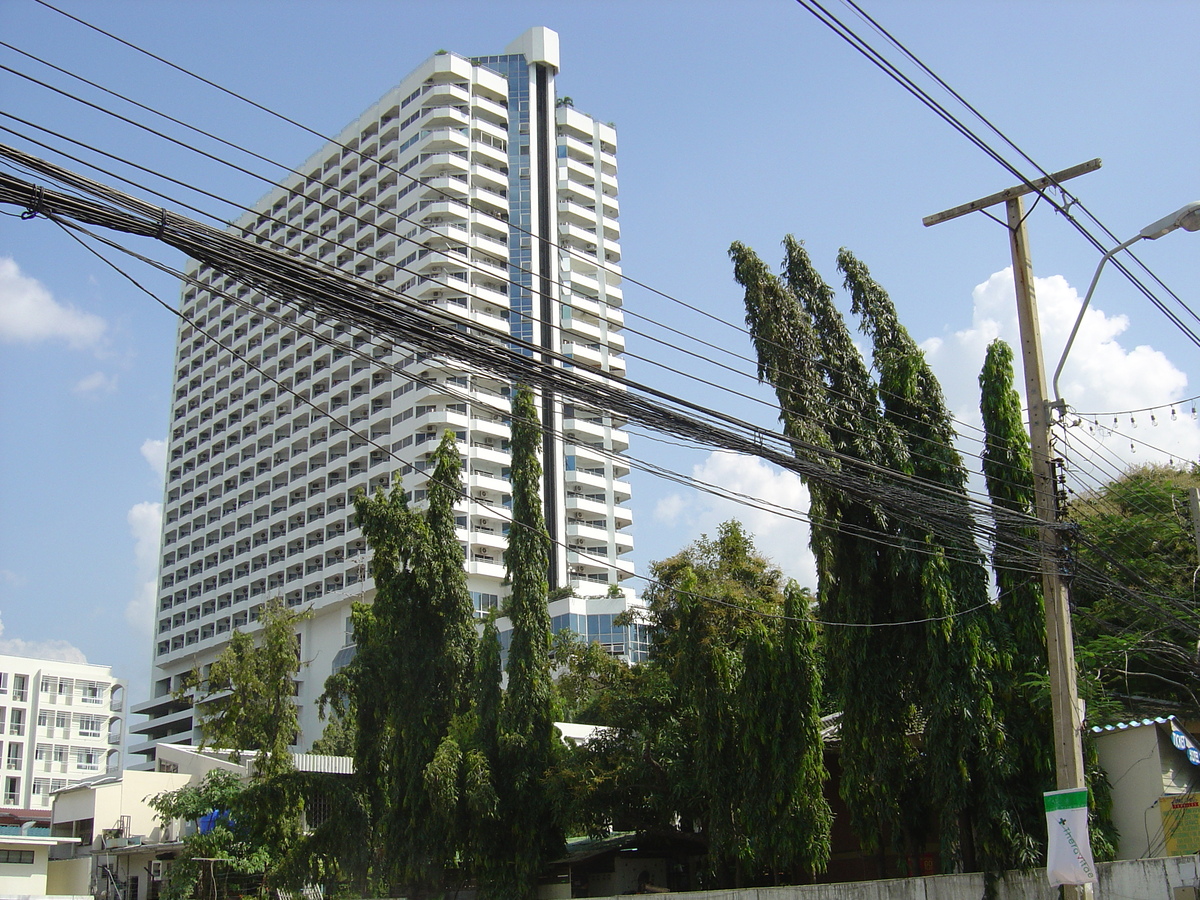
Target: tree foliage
247, 700
894, 682
247, 704
1135, 595
407, 694
721, 727
527, 831
1023, 685
226, 858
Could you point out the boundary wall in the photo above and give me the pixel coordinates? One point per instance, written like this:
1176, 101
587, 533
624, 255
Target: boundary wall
1166, 878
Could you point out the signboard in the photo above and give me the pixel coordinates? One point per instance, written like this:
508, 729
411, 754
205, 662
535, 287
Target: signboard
1181, 823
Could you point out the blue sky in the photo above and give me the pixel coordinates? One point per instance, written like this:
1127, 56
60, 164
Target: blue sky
736, 121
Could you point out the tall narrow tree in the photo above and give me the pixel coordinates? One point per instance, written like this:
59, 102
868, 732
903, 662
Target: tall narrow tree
527, 736
878, 667
1008, 471
437, 656
738, 649
965, 745
363, 693
782, 778
411, 679
829, 403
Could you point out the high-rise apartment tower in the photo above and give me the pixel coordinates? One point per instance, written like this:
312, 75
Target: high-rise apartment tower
470, 187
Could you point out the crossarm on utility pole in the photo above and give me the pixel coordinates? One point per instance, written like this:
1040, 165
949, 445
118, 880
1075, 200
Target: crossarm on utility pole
1038, 184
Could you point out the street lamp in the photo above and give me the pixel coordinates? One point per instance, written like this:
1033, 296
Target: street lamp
1187, 218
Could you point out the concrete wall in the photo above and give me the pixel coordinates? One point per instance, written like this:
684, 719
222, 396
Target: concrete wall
22, 879
1170, 878
69, 877
1132, 760
105, 803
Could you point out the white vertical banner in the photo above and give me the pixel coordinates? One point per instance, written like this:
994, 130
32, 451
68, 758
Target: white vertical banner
1069, 854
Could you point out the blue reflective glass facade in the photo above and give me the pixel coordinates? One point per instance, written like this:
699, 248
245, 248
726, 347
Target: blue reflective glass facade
520, 246
629, 641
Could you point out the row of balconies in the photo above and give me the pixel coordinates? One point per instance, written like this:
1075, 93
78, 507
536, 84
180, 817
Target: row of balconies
318, 431
579, 431
477, 478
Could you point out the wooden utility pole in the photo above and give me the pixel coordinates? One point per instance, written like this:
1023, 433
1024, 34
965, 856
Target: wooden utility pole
1060, 646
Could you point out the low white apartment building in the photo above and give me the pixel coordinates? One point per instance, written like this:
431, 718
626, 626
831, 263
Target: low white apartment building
60, 723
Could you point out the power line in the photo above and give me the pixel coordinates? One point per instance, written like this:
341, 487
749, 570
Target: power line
945, 518
368, 440
354, 150
863, 47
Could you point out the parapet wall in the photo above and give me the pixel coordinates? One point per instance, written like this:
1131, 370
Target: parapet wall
1168, 878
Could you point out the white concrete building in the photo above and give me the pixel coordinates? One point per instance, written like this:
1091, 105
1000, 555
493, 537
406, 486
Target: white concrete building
469, 188
60, 723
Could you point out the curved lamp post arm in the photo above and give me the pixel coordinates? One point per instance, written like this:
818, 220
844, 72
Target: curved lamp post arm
1058, 401
1186, 217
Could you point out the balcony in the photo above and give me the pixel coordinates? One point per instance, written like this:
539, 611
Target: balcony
489, 155
445, 117
577, 213
434, 164
491, 176
445, 95
449, 184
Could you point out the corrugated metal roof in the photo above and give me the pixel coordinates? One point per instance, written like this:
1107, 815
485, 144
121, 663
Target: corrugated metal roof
1135, 723
331, 765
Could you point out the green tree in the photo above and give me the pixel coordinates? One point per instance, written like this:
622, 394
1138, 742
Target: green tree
226, 859
630, 775
829, 406
1024, 689
780, 695
1134, 595
1023, 694
408, 692
247, 704
247, 701
737, 647
965, 747
435, 652
527, 832
877, 569
363, 693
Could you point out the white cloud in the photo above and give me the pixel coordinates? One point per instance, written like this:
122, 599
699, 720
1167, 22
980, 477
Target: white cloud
670, 509
11, 578
155, 453
139, 612
1100, 374
782, 538
29, 314
96, 384
145, 525
63, 651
